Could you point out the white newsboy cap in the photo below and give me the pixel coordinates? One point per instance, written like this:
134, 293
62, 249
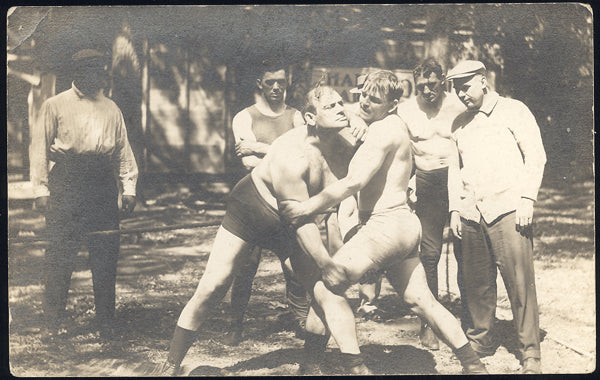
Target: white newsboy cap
466, 69
360, 82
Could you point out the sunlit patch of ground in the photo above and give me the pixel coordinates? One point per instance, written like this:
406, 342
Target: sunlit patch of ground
159, 271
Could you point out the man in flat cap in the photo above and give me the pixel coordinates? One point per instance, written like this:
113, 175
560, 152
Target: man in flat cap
78, 149
499, 159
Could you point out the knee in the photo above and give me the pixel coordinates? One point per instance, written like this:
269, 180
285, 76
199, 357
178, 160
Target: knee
418, 301
412, 300
210, 292
322, 295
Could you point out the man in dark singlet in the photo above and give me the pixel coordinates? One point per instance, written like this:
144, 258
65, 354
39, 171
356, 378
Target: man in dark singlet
254, 130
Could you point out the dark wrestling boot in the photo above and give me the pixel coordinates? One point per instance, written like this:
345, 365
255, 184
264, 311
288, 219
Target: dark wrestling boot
471, 363
234, 336
310, 369
312, 354
354, 364
474, 369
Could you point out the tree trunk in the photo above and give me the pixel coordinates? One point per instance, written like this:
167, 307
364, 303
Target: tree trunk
37, 95
437, 42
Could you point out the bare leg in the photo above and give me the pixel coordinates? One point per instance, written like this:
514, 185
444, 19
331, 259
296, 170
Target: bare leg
417, 295
408, 279
224, 258
314, 323
242, 286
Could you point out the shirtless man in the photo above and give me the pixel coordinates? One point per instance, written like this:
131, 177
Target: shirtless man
429, 117
389, 238
254, 130
299, 164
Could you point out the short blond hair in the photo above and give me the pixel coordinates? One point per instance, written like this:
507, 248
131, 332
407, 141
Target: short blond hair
385, 83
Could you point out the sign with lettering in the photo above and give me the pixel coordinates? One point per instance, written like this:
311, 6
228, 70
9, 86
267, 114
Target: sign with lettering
343, 79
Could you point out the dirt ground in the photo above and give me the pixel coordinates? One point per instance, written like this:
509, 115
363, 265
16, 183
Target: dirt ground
158, 272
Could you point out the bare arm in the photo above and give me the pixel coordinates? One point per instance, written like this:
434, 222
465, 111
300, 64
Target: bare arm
347, 215
289, 183
364, 165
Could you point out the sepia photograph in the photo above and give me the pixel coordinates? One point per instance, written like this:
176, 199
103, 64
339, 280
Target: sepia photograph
300, 190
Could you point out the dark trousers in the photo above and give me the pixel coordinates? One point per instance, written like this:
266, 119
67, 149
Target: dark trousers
83, 199
432, 210
486, 247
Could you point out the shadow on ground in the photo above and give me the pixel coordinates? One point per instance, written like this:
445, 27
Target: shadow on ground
505, 335
381, 359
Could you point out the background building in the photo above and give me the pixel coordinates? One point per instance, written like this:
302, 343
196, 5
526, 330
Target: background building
180, 73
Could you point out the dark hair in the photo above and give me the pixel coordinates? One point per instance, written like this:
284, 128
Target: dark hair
385, 82
271, 65
426, 68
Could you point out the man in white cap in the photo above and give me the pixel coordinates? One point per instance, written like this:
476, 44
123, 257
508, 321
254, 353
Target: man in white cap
429, 116
82, 137
499, 159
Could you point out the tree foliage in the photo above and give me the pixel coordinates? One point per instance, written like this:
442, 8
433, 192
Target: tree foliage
542, 55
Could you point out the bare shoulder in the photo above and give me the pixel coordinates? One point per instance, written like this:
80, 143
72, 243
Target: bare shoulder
453, 104
289, 149
407, 107
392, 126
290, 140
243, 114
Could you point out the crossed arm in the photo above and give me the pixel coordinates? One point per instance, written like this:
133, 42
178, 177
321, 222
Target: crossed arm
247, 148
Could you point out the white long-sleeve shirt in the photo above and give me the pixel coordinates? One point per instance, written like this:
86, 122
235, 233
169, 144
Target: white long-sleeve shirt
72, 124
499, 159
